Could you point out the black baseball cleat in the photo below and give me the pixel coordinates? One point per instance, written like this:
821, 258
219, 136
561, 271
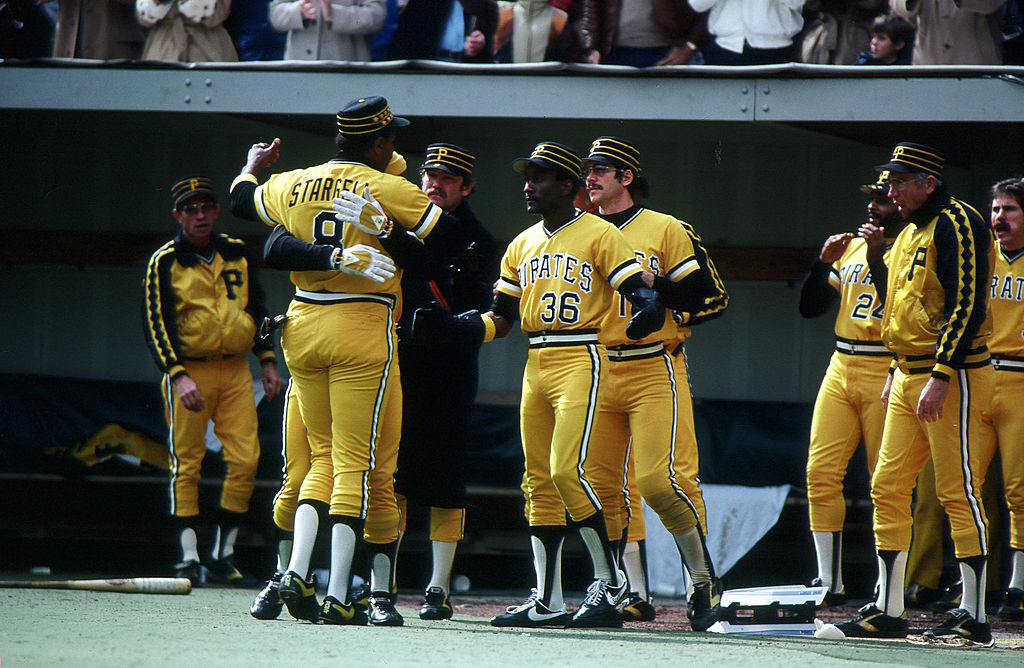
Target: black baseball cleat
832, 598
336, 613
960, 624
531, 613
267, 604
299, 596
873, 623
359, 594
436, 604
192, 570
1012, 605
224, 571
918, 596
382, 610
705, 605
949, 599
598, 609
635, 608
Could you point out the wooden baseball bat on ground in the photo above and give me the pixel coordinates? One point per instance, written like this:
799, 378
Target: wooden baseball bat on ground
123, 585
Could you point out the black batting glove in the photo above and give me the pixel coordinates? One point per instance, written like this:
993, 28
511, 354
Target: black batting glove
648, 313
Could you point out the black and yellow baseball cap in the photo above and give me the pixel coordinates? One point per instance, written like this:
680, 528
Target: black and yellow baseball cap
191, 186
881, 185
908, 158
615, 152
366, 115
450, 159
552, 155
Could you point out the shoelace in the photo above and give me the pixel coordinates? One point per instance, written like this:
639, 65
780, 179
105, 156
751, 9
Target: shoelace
595, 592
525, 605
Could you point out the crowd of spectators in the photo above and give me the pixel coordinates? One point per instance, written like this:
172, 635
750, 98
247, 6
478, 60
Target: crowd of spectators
638, 33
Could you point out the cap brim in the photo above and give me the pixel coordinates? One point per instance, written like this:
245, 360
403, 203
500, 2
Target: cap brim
195, 193
443, 168
602, 159
398, 122
520, 165
872, 189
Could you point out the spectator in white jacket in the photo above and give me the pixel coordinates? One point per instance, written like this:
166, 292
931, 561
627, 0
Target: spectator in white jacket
751, 32
328, 29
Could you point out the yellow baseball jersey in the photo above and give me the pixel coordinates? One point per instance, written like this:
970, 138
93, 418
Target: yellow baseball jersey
1007, 304
566, 279
860, 311
1005, 416
202, 307
662, 247
301, 201
936, 314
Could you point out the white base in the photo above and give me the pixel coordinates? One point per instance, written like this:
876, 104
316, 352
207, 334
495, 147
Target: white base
764, 629
781, 594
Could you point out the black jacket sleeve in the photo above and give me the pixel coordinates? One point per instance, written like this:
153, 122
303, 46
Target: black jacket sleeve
816, 294
283, 250
241, 200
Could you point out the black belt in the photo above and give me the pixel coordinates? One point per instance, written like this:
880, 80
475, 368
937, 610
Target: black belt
635, 352
854, 347
1008, 363
548, 338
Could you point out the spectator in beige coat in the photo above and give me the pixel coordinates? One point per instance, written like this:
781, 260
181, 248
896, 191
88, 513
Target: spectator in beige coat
954, 32
187, 31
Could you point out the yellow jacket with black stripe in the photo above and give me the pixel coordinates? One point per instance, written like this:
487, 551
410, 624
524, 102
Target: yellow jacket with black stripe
200, 307
936, 316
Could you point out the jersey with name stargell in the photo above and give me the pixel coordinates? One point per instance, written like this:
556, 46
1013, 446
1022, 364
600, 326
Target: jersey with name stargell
301, 201
662, 247
566, 279
1007, 303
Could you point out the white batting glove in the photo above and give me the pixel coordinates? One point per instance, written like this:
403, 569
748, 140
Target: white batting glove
363, 212
364, 261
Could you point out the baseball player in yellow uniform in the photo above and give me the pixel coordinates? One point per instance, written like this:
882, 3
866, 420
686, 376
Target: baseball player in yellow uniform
202, 306
847, 408
637, 606
646, 416
559, 277
339, 343
295, 453
285, 252
937, 324
1006, 414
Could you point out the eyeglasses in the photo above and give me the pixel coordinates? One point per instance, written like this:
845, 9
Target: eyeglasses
597, 170
193, 209
899, 184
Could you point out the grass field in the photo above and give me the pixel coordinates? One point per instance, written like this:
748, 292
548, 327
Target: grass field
211, 627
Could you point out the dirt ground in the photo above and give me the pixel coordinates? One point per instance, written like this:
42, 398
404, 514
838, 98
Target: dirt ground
212, 627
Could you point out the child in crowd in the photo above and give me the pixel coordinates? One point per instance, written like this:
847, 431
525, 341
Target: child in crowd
892, 39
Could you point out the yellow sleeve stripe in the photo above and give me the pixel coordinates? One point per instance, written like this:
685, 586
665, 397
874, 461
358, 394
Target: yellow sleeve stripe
623, 271
155, 317
510, 287
242, 178
261, 208
683, 269
427, 221
834, 279
966, 248
489, 328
